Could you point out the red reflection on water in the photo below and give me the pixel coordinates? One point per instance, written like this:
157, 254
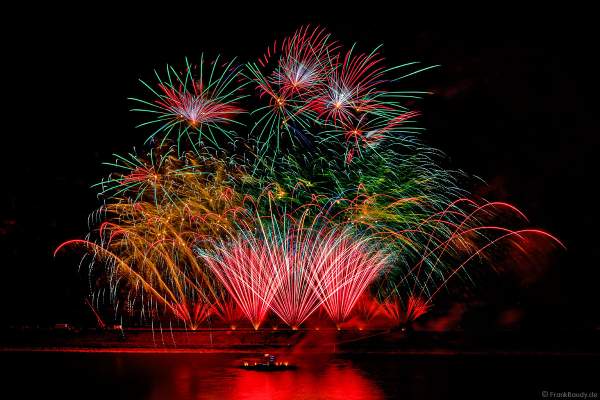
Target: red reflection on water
318, 378
332, 382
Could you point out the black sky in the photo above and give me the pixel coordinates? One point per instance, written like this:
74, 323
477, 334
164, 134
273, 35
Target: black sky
515, 103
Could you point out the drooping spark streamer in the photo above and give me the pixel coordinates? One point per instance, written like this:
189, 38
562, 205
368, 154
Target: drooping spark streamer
153, 220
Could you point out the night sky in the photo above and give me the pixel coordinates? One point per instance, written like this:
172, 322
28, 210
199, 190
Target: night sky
514, 103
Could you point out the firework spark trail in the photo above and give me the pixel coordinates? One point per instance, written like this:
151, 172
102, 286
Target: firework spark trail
263, 270
367, 307
196, 104
401, 313
350, 89
247, 275
194, 107
305, 62
293, 270
342, 270
228, 310
151, 238
295, 299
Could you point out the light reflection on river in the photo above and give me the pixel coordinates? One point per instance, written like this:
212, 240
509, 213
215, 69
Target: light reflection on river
317, 378
194, 376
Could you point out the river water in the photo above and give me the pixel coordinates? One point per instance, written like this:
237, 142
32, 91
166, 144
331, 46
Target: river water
123, 375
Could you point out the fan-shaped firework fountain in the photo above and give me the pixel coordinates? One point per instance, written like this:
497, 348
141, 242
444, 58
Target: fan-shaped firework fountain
294, 269
319, 196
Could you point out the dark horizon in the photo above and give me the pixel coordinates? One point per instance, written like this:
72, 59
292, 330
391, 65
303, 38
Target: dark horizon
512, 104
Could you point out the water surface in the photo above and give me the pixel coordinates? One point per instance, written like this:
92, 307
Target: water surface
189, 376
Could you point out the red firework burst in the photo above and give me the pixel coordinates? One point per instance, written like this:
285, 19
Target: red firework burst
305, 63
195, 107
351, 89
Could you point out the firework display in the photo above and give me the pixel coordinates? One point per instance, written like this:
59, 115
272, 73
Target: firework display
292, 187
293, 268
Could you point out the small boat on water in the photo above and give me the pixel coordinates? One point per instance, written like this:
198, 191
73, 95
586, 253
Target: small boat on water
268, 363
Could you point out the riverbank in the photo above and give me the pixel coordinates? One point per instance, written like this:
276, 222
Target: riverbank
303, 340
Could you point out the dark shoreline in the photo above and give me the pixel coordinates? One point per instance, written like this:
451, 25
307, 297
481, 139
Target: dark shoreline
404, 353
508, 343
